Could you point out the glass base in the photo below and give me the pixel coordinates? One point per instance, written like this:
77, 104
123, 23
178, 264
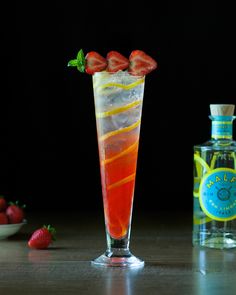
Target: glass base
108, 259
217, 241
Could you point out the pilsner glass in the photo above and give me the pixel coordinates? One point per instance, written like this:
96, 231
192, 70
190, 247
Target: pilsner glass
118, 101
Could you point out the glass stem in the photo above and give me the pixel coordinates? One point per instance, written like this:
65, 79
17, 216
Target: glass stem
118, 247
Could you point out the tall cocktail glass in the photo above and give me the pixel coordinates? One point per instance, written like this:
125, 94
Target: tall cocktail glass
118, 101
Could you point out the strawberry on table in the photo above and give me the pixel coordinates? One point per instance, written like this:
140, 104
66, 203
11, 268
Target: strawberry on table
15, 213
42, 238
3, 204
3, 218
140, 63
116, 62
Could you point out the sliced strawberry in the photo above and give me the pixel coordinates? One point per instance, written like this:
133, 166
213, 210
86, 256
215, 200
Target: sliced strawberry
116, 62
140, 63
94, 63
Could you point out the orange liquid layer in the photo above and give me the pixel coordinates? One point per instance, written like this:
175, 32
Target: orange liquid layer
118, 158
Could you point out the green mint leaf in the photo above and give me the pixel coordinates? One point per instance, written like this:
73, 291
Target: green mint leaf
81, 68
72, 63
80, 55
81, 61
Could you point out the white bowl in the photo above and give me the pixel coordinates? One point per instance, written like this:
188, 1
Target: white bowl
7, 230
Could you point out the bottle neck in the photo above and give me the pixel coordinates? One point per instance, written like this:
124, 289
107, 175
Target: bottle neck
222, 127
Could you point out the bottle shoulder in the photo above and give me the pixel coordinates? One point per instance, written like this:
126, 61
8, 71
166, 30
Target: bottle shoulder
217, 145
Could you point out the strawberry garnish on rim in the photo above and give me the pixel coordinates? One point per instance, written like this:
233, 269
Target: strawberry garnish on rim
140, 63
94, 63
116, 62
91, 63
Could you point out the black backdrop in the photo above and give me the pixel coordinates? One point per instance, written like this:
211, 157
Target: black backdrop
48, 147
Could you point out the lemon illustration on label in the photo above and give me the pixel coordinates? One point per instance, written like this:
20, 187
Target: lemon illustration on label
217, 194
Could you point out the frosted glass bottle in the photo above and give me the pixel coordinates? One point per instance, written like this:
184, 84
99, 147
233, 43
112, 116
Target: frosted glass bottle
214, 195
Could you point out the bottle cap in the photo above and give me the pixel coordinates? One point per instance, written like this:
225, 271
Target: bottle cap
222, 109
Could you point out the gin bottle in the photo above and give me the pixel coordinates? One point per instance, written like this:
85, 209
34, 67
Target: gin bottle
214, 194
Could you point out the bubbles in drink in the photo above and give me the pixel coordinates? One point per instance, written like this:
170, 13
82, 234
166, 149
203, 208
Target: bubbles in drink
115, 96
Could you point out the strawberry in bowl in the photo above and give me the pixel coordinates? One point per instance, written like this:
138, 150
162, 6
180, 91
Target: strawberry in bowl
3, 218
11, 218
15, 213
3, 204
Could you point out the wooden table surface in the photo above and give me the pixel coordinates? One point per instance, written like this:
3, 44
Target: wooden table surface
172, 265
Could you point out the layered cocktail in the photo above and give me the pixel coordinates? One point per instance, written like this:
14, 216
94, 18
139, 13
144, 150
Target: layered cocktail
118, 98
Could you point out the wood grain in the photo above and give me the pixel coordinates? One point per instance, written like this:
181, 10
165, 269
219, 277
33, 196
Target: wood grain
172, 266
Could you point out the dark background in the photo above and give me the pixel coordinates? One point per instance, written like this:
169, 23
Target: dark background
48, 145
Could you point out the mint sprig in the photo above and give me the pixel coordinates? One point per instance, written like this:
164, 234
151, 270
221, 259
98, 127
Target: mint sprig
79, 62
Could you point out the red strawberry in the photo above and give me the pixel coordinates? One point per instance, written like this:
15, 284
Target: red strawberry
3, 204
15, 213
94, 63
3, 218
116, 62
140, 63
42, 237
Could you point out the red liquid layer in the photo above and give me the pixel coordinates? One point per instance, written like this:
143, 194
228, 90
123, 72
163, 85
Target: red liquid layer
118, 158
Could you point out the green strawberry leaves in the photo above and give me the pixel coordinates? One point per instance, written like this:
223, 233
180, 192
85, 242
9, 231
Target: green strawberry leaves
51, 230
79, 62
17, 204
